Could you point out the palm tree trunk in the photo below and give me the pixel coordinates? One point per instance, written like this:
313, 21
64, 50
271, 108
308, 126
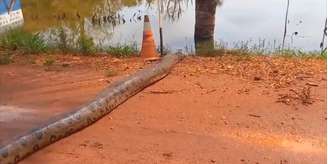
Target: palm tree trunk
205, 23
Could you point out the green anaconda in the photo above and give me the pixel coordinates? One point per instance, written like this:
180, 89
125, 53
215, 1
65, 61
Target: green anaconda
104, 103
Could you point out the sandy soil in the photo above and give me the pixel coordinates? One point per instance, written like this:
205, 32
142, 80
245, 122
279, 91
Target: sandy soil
227, 109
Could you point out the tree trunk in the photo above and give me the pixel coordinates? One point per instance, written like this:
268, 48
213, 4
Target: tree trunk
205, 24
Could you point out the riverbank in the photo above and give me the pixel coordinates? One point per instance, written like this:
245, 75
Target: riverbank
21, 42
277, 113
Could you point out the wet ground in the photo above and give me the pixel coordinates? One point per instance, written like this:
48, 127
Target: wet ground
208, 110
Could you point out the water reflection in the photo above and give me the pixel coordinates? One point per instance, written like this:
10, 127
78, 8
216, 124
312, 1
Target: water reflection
186, 23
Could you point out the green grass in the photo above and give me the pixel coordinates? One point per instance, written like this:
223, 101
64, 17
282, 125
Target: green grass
67, 43
247, 53
323, 54
22, 41
290, 53
86, 44
207, 49
248, 49
78, 42
28, 43
122, 51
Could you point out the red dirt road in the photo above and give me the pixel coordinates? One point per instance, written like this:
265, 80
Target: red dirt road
209, 110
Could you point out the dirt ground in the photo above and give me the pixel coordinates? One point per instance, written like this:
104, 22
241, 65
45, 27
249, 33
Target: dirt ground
228, 109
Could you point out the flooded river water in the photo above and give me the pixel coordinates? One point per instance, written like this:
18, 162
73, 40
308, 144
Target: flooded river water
249, 23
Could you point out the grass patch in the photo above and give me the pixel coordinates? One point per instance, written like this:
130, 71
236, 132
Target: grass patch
122, 51
246, 50
67, 40
323, 54
86, 44
22, 41
206, 49
290, 53
73, 42
248, 53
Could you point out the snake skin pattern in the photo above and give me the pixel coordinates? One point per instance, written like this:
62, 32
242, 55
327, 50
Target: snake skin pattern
103, 104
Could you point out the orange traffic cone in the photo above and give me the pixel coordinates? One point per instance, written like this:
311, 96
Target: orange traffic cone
148, 49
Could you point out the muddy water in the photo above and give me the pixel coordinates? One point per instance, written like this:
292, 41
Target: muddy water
252, 23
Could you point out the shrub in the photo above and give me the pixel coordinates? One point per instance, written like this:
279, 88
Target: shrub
20, 40
122, 51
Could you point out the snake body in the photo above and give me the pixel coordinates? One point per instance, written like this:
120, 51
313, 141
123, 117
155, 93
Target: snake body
104, 103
